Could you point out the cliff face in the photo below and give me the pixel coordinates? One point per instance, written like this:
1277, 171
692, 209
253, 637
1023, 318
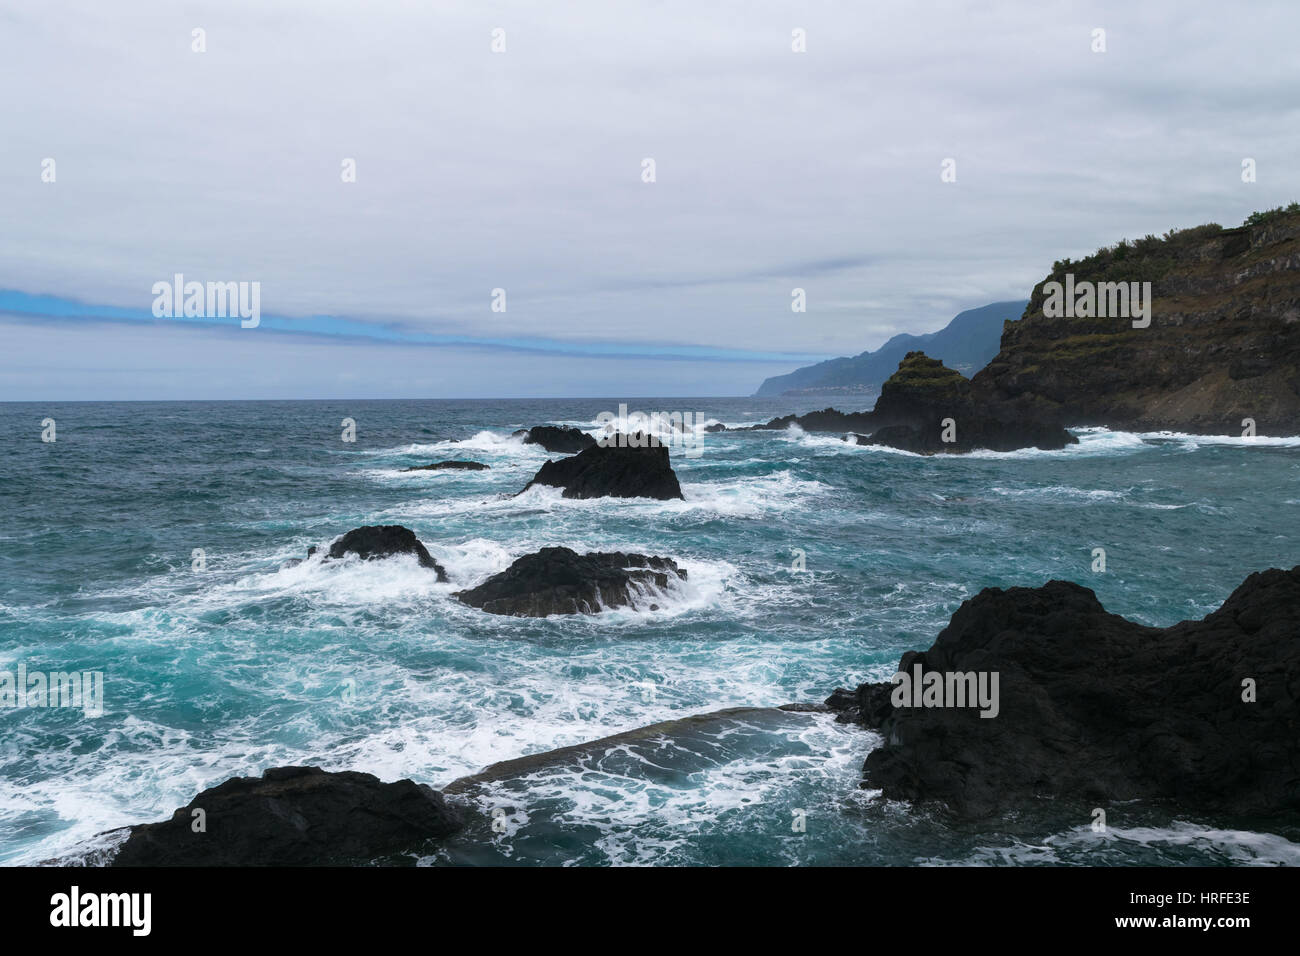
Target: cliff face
1223, 342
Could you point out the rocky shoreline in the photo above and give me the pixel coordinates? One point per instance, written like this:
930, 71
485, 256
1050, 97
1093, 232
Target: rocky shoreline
1089, 710
928, 409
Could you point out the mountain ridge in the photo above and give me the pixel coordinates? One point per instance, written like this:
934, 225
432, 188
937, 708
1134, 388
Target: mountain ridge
967, 343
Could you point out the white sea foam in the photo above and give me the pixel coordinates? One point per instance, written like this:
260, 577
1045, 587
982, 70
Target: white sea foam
1093, 441
643, 821
491, 442
1062, 491
1240, 846
740, 497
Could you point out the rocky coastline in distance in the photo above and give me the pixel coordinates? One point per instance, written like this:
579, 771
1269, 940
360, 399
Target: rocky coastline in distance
1220, 356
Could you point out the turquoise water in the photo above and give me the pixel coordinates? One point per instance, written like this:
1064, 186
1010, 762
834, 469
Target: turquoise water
244, 665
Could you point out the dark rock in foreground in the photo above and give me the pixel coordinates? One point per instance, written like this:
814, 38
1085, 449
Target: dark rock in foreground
448, 465
619, 471
1093, 708
295, 816
564, 441
383, 541
561, 581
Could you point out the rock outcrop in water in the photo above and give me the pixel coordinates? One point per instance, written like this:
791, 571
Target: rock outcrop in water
615, 470
450, 466
969, 433
929, 409
382, 541
826, 420
1093, 708
1221, 345
295, 816
561, 581
564, 441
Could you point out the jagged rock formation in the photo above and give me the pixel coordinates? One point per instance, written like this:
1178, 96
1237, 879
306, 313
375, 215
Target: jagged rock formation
639, 469
564, 441
826, 420
295, 816
1093, 708
929, 409
561, 581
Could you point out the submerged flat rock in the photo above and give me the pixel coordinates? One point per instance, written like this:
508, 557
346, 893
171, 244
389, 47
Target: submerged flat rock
450, 465
699, 739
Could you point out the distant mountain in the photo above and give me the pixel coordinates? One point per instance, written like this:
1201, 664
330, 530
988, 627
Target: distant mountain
967, 344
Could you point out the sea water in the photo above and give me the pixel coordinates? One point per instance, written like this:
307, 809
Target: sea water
148, 543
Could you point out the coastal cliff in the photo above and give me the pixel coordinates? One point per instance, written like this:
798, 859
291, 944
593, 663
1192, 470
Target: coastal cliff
1223, 343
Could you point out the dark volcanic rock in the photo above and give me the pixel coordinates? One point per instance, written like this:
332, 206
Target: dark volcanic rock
1094, 708
827, 420
565, 441
615, 471
914, 406
971, 433
1223, 342
561, 581
382, 541
921, 391
868, 705
295, 816
442, 465
924, 400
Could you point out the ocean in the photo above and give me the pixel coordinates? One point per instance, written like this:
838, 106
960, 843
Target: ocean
812, 564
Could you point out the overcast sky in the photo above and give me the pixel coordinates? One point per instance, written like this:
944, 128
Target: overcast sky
523, 170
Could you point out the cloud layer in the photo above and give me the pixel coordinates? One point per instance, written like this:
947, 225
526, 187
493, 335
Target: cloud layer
522, 170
